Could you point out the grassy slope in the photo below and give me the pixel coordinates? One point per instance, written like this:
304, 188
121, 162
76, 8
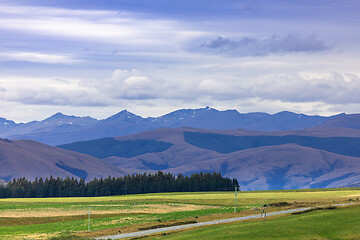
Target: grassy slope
323, 224
121, 211
228, 143
106, 147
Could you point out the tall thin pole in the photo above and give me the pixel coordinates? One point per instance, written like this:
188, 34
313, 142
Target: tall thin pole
235, 199
89, 219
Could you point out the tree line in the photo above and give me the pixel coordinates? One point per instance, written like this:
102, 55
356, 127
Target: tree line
130, 184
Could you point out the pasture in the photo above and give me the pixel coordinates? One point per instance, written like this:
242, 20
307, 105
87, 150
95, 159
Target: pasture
340, 223
43, 218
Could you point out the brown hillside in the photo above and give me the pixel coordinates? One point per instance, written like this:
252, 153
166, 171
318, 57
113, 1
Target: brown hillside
271, 167
30, 159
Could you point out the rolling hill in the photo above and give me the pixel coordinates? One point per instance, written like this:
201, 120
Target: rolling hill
324, 157
30, 159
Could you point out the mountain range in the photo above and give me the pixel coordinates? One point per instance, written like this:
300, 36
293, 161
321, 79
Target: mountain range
61, 129
317, 158
263, 151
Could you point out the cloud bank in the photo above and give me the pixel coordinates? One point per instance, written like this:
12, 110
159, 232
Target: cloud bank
134, 85
248, 46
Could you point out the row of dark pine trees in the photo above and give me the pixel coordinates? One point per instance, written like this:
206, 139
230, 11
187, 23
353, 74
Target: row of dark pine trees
131, 184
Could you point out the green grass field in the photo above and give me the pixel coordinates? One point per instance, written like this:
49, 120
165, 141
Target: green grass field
322, 224
49, 217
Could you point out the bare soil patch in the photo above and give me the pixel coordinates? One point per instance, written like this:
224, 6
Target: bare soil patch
138, 209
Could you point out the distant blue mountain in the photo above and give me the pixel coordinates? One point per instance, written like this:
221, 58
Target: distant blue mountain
5, 124
208, 118
61, 129
343, 121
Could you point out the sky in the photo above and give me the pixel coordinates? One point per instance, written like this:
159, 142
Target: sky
96, 58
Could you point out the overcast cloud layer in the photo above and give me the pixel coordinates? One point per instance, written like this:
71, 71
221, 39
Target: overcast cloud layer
99, 57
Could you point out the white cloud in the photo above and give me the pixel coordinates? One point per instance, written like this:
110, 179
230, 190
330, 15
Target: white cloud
332, 89
40, 91
130, 84
36, 57
301, 92
123, 28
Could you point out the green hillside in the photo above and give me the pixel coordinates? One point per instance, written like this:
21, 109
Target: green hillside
106, 147
229, 143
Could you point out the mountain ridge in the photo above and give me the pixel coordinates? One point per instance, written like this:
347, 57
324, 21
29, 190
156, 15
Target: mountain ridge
62, 129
